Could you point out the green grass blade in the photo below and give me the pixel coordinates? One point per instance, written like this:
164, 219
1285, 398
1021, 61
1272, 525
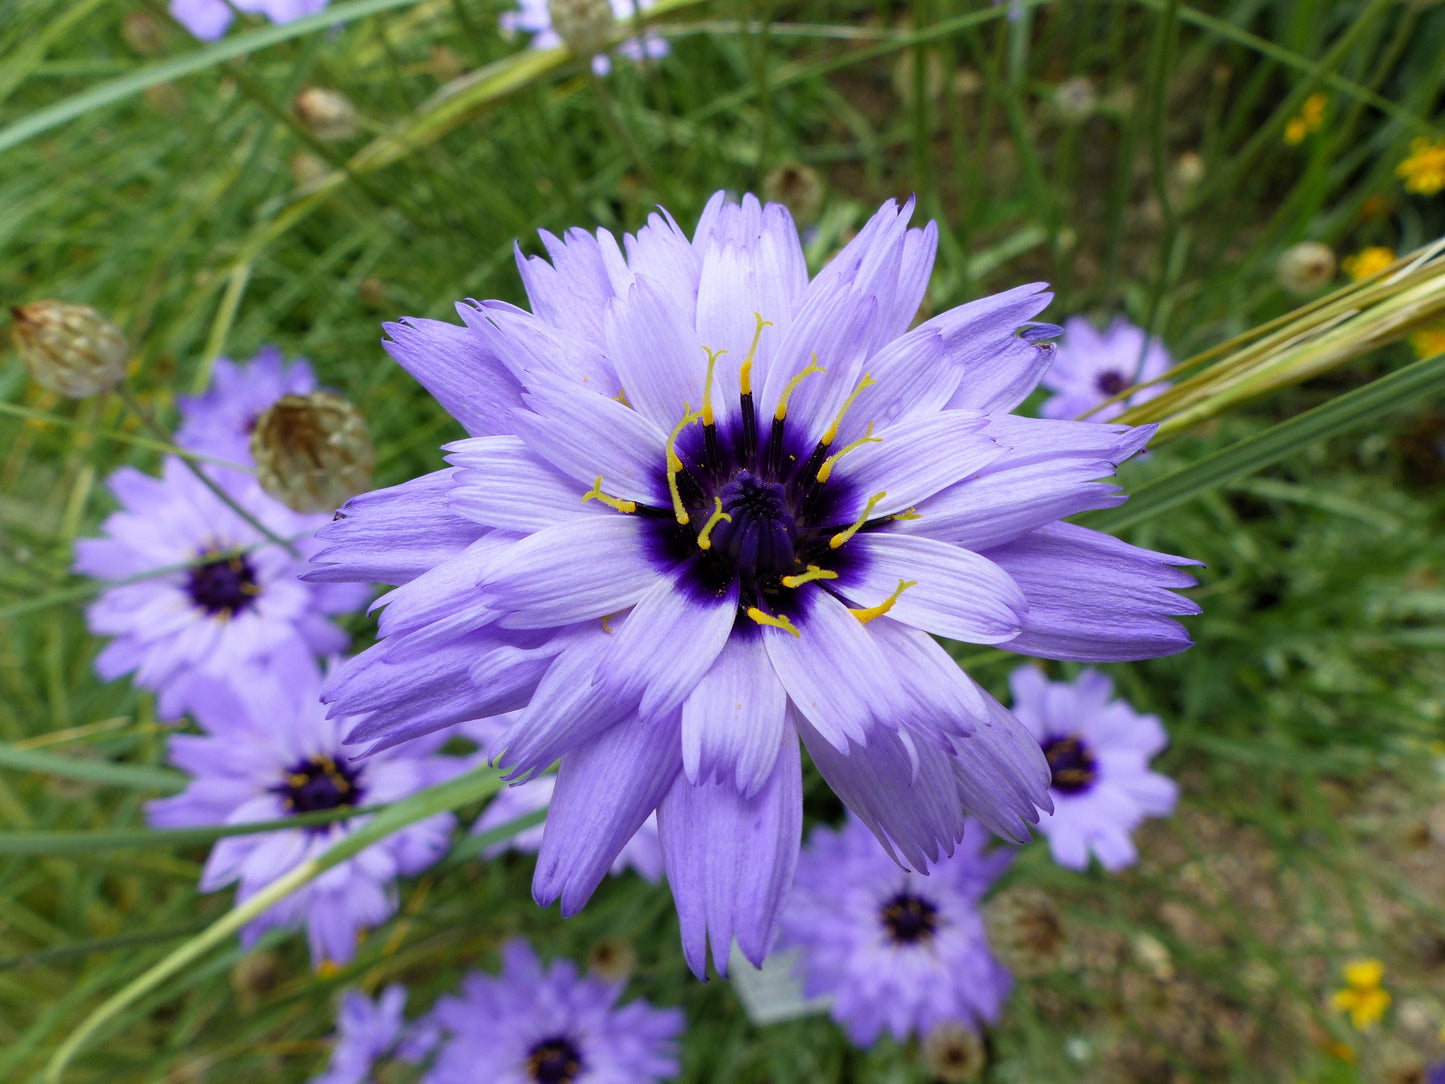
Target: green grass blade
1404, 388
63, 842
137, 776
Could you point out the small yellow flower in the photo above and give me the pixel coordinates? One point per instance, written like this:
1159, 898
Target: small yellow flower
1428, 341
1363, 997
1423, 171
1311, 116
1367, 261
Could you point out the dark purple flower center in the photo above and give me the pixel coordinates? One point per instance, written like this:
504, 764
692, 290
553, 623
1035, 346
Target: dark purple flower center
762, 535
1111, 382
909, 919
317, 783
1074, 767
225, 586
554, 1060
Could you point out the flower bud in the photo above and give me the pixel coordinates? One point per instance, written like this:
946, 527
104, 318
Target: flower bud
326, 114
1026, 929
1306, 268
585, 26
796, 186
954, 1053
70, 349
312, 452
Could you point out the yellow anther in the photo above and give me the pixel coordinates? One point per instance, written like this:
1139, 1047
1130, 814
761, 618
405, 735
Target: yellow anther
596, 494
826, 470
813, 573
911, 513
745, 374
674, 464
843, 536
605, 626
813, 367
868, 613
621, 397
704, 538
866, 382
778, 622
712, 356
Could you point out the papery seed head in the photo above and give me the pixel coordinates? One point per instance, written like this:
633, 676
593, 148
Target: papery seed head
954, 1053
585, 26
312, 451
70, 349
1306, 268
798, 187
326, 114
1026, 929
1075, 100
613, 959
144, 34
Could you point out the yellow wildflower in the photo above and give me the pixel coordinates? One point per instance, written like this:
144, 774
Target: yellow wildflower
1311, 116
1429, 340
1367, 261
1363, 997
1423, 171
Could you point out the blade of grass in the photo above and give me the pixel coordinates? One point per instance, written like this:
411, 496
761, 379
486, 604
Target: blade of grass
139, 776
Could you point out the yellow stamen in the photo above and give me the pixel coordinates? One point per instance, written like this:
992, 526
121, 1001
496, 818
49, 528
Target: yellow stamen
826, 470
712, 356
868, 613
704, 538
605, 626
674, 464
813, 367
866, 382
912, 513
596, 494
813, 573
843, 536
621, 397
745, 374
779, 622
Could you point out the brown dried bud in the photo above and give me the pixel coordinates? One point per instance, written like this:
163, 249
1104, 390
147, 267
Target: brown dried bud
373, 292
613, 959
1075, 100
326, 114
307, 169
312, 452
255, 975
70, 349
954, 1054
144, 34
1026, 929
1306, 268
585, 26
797, 187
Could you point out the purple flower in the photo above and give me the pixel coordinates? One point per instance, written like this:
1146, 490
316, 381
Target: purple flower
173, 627
208, 19
1435, 1074
219, 423
268, 753
708, 508
368, 1031
1091, 367
535, 1025
1098, 752
895, 951
535, 17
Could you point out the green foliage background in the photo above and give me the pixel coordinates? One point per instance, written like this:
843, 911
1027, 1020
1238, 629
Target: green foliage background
157, 184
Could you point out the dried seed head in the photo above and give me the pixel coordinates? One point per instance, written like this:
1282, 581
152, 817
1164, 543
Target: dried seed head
1188, 171
935, 75
1306, 268
326, 114
255, 975
307, 169
373, 292
797, 187
70, 349
954, 1054
613, 959
312, 452
585, 26
1026, 929
144, 34
1075, 100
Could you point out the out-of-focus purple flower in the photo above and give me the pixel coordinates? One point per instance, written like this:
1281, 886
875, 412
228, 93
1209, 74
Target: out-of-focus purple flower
536, 1025
1435, 1074
1092, 366
208, 19
219, 423
709, 508
269, 752
534, 17
368, 1031
895, 951
172, 627
1098, 752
